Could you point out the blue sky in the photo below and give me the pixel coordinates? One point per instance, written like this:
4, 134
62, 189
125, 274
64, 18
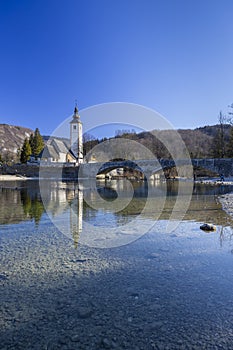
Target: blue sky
174, 56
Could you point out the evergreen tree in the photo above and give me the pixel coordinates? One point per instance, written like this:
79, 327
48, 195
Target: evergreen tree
31, 140
25, 152
37, 143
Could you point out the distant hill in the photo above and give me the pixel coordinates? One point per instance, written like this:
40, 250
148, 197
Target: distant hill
199, 141
11, 139
212, 130
47, 138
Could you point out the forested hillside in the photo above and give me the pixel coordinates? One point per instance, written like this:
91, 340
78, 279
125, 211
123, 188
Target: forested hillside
205, 142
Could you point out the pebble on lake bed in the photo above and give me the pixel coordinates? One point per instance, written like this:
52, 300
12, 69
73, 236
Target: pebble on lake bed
208, 227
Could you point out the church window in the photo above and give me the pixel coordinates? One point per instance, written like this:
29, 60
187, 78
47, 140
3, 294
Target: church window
74, 127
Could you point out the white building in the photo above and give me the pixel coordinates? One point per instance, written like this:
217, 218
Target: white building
76, 136
58, 150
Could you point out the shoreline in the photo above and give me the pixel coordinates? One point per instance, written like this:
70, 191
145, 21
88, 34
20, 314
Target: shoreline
215, 181
13, 177
226, 201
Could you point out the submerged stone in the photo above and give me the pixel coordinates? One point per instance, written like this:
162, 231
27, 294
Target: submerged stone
3, 277
84, 312
208, 227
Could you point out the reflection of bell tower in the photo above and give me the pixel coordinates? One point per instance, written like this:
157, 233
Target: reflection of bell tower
76, 136
76, 218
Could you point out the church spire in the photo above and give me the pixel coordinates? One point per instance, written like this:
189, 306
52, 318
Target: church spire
76, 115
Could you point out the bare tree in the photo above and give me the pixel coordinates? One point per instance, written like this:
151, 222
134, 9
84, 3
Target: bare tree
230, 121
219, 147
230, 114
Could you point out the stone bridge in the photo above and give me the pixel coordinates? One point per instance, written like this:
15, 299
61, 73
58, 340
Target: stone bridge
152, 166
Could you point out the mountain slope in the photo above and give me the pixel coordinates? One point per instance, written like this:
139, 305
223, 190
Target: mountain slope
11, 139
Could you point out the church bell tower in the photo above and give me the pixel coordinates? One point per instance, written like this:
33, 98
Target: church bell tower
76, 136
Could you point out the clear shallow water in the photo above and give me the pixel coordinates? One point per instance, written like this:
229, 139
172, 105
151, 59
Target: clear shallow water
164, 290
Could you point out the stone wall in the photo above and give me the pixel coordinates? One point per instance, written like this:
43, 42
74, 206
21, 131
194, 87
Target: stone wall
50, 172
20, 169
148, 167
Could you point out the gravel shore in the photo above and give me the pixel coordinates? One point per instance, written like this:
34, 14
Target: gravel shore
226, 200
150, 295
227, 203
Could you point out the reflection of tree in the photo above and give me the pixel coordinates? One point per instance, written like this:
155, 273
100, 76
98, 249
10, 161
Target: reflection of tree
37, 210
32, 205
10, 210
226, 234
26, 201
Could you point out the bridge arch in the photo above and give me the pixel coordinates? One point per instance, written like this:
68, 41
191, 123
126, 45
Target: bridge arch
152, 166
129, 168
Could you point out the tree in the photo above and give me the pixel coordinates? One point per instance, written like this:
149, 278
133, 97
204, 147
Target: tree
31, 140
18, 154
8, 157
219, 147
37, 143
230, 144
25, 152
230, 114
89, 141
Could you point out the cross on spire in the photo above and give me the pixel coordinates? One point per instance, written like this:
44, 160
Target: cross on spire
76, 108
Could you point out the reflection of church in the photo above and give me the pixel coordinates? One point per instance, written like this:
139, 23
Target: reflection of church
64, 205
58, 150
76, 218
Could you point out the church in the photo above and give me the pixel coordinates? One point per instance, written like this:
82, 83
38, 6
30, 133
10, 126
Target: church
58, 150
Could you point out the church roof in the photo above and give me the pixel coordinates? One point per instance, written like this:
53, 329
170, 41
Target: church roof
72, 154
48, 152
60, 146
54, 147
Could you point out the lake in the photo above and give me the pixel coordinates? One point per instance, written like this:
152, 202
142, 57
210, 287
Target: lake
115, 265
